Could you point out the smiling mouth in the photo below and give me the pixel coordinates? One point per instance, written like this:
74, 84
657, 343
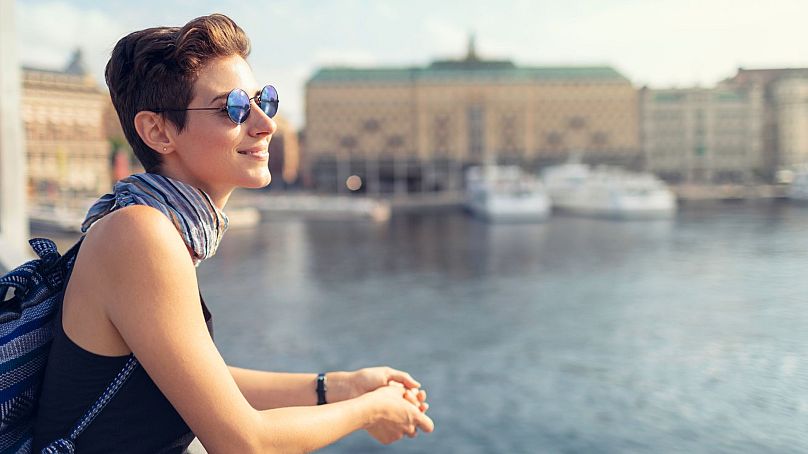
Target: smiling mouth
256, 153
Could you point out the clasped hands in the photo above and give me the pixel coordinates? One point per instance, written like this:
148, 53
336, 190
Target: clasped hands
400, 397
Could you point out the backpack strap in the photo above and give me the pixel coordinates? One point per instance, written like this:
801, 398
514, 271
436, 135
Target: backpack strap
50, 267
67, 445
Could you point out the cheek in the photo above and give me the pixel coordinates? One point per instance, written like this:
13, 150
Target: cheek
213, 137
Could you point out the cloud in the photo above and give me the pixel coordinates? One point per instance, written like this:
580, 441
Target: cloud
444, 38
385, 10
343, 57
681, 42
50, 32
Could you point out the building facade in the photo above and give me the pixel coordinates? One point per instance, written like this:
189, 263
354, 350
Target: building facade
782, 141
68, 151
284, 155
704, 135
414, 129
790, 102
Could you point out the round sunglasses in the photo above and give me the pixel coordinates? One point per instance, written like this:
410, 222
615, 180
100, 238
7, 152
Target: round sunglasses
238, 104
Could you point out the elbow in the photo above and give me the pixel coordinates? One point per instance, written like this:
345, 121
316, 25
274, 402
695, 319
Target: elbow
248, 437
255, 438
247, 445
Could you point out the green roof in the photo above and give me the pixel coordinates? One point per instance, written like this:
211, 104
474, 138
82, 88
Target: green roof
669, 96
682, 95
731, 96
458, 71
338, 74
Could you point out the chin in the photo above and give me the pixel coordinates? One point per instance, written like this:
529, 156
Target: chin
257, 182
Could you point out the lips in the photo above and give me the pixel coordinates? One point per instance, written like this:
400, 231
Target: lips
258, 152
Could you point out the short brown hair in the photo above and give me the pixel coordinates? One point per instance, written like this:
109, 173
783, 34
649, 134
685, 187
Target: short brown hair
157, 68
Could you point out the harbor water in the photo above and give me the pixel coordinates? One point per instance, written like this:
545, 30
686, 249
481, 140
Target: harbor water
576, 335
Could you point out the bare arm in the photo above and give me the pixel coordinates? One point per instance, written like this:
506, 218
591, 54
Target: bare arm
265, 390
151, 289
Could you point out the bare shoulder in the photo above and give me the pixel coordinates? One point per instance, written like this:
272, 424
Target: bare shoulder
130, 258
134, 248
132, 232
132, 245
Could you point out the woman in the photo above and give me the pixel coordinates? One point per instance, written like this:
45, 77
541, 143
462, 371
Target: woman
182, 97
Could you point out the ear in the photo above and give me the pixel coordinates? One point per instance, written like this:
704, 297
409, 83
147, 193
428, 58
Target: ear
153, 130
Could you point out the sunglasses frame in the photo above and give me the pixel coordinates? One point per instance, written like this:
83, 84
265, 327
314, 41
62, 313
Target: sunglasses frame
226, 108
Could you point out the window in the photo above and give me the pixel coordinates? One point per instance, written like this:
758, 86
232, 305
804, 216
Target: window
371, 125
554, 138
600, 139
348, 142
576, 123
476, 131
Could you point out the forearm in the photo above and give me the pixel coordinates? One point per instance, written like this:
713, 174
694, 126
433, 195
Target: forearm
294, 429
267, 390
305, 429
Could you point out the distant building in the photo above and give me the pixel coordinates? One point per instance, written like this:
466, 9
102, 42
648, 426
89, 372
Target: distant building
704, 135
790, 96
414, 129
68, 150
284, 155
784, 144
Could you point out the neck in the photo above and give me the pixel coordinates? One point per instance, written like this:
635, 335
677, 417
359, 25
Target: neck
219, 198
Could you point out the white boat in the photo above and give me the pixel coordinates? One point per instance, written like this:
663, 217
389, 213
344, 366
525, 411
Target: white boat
608, 192
505, 193
798, 187
65, 215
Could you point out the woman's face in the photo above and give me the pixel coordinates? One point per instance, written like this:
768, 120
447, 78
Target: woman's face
212, 152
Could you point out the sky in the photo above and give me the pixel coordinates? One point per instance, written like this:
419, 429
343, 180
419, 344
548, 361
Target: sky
659, 43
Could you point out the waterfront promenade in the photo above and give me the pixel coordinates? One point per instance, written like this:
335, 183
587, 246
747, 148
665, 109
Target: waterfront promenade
248, 207
324, 206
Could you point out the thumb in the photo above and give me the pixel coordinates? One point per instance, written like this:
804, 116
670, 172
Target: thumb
424, 422
403, 378
395, 384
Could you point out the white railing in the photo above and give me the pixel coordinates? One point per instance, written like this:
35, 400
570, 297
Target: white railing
13, 213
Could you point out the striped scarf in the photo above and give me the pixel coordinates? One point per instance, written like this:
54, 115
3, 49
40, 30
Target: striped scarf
198, 220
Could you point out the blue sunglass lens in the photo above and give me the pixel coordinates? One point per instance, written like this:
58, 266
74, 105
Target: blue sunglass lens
269, 100
238, 106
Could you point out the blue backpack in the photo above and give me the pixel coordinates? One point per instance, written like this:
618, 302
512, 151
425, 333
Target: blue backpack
31, 297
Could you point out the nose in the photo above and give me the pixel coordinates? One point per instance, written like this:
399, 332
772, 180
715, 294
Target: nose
259, 123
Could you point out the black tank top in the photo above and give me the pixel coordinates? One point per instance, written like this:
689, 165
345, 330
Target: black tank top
139, 419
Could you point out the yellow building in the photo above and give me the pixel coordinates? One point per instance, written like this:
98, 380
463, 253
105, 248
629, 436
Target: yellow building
284, 155
414, 129
785, 99
68, 152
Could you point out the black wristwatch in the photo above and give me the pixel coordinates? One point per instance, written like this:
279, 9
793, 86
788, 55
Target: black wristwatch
321, 389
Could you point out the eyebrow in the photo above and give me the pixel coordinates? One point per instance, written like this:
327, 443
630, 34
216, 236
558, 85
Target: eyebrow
224, 95
218, 97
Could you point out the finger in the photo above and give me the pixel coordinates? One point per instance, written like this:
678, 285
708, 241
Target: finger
412, 398
396, 384
422, 395
412, 433
424, 406
424, 422
404, 378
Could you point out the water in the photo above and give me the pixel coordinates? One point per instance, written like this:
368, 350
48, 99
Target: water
578, 335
